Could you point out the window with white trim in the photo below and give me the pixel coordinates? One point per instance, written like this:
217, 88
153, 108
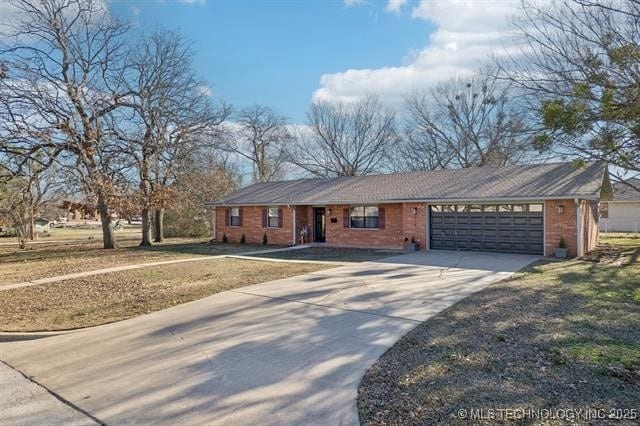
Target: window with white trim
363, 216
234, 216
272, 217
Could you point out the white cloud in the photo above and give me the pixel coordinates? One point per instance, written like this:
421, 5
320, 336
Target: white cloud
205, 91
466, 33
350, 3
395, 5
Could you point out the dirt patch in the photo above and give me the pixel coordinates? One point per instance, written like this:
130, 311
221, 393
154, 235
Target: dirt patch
605, 253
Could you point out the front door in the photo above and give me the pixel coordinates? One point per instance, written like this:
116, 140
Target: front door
318, 225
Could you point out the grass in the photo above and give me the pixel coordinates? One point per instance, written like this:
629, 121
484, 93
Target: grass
48, 260
338, 254
116, 296
561, 334
80, 232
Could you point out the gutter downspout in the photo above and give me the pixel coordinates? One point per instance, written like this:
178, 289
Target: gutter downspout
293, 230
579, 248
214, 230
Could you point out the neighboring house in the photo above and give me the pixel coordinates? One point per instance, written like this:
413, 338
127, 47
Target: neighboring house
622, 213
517, 209
76, 210
42, 225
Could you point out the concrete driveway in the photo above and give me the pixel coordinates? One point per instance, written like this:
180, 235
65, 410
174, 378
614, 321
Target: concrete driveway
290, 351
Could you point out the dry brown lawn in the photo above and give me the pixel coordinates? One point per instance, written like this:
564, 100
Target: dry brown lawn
49, 260
560, 335
116, 296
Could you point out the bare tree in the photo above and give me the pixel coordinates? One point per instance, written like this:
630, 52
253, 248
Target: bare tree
579, 62
345, 140
63, 62
463, 122
260, 135
169, 109
23, 195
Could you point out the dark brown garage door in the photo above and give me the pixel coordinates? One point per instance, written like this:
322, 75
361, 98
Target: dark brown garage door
510, 228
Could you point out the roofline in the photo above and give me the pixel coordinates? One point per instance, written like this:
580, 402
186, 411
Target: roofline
622, 201
592, 197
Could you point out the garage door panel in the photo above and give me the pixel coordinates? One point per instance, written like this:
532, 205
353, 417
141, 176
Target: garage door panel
505, 228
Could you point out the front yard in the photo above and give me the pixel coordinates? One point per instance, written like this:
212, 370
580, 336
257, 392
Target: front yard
116, 296
560, 335
49, 260
337, 254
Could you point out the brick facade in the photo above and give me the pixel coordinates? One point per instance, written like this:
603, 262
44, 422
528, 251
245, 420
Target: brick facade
560, 221
253, 229
403, 221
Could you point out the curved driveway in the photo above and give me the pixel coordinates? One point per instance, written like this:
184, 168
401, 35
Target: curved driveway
290, 351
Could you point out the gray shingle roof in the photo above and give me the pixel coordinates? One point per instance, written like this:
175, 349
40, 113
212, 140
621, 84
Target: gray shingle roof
562, 180
622, 192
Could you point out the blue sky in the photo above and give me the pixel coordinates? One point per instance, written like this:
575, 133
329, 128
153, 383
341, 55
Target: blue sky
289, 53
275, 52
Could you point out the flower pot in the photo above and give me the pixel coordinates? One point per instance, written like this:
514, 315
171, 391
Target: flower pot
411, 247
560, 253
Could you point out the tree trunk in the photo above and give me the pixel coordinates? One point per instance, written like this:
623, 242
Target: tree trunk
108, 234
32, 225
159, 225
146, 227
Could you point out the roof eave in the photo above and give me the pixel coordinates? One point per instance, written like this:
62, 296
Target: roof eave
593, 197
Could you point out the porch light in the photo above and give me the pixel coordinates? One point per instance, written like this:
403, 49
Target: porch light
560, 209
329, 212
415, 211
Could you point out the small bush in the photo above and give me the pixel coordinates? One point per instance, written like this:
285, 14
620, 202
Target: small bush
243, 239
562, 244
225, 239
264, 239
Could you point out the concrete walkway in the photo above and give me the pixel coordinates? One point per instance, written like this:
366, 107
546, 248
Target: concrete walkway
247, 255
290, 351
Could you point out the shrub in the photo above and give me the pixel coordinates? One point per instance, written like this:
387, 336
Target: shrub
225, 239
189, 222
264, 239
243, 239
562, 244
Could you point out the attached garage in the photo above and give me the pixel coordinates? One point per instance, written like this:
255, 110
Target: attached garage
524, 209
510, 228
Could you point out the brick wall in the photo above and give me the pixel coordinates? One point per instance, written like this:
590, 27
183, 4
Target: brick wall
400, 223
560, 224
252, 227
415, 224
590, 216
303, 219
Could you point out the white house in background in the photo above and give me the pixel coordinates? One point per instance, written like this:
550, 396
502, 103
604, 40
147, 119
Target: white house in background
622, 214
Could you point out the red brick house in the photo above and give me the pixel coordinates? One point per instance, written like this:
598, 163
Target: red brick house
516, 209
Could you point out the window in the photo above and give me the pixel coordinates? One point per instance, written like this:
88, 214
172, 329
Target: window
518, 208
490, 208
504, 208
364, 217
234, 216
436, 208
535, 207
475, 208
449, 209
272, 217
